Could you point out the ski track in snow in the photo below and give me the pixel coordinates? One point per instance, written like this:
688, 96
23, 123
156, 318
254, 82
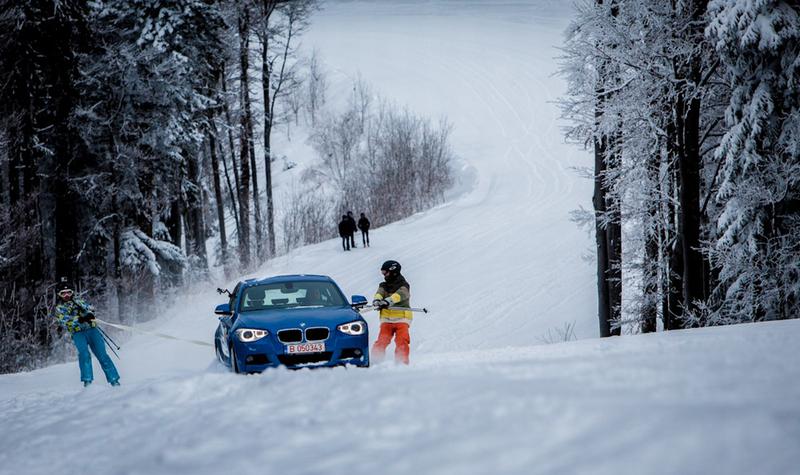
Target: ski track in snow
498, 266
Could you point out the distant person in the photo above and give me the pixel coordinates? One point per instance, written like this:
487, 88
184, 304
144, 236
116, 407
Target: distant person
394, 291
352, 222
363, 225
344, 232
78, 317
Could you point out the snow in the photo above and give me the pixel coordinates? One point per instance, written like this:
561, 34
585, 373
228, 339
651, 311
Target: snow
500, 267
719, 400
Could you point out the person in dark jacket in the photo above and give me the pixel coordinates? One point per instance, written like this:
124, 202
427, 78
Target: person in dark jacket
77, 316
363, 225
352, 222
344, 232
392, 298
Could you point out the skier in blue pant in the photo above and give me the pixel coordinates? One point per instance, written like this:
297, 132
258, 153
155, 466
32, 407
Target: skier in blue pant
77, 316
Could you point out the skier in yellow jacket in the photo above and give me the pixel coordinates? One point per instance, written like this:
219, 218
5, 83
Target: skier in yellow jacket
394, 291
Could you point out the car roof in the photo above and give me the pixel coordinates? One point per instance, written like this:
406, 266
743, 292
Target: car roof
287, 278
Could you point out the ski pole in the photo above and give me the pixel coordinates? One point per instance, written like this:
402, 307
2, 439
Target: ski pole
105, 335
107, 339
410, 309
109, 346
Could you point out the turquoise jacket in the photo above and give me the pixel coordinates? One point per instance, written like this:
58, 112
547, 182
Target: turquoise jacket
68, 313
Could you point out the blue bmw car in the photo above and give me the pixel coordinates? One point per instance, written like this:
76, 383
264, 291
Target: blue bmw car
294, 321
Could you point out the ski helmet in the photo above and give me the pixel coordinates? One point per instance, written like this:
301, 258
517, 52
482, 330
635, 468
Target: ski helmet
63, 286
391, 266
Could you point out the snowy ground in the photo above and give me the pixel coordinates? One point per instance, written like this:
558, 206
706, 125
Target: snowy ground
499, 265
710, 401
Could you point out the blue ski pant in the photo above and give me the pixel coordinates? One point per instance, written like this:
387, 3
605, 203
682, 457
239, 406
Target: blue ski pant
92, 338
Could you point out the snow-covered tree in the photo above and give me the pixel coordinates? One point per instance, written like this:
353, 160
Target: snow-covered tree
642, 94
756, 249
40, 155
149, 80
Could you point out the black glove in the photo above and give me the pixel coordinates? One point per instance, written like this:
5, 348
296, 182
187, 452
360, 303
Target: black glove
86, 318
380, 304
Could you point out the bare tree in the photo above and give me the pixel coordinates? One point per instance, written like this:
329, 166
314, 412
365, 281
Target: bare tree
282, 22
392, 164
317, 86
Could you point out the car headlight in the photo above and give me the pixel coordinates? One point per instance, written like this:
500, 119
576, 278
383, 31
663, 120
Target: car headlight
353, 328
248, 335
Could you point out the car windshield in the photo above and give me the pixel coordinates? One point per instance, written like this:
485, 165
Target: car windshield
291, 295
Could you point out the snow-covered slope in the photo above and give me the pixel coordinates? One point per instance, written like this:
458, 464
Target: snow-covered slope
721, 400
503, 263
499, 266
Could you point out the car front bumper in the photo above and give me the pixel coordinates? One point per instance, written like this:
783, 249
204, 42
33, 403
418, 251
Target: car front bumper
340, 349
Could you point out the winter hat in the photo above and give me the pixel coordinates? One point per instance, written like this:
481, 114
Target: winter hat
391, 266
63, 285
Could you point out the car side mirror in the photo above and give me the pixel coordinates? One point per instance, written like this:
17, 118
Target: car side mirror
358, 301
223, 309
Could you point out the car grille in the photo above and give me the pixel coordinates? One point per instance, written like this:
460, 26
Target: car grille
317, 334
293, 335
298, 359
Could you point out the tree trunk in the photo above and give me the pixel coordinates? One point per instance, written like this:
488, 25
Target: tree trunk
223, 238
194, 209
247, 129
608, 234
672, 311
608, 231
604, 312
174, 223
117, 271
652, 230
614, 236
689, 228
244, 185
650, 304
268, 115
234, 210
229, 126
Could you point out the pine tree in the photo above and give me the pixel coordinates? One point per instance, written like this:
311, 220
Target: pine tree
756, 246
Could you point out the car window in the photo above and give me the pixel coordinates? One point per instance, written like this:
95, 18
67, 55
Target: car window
291, 295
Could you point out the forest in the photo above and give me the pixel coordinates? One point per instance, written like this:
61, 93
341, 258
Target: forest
137, 153
139, 142
692, 111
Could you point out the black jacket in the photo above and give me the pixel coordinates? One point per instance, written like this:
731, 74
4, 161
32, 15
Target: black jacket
392, 282
352, 223
345, 228
363, 224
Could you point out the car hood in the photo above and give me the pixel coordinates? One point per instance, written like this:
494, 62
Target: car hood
293, 317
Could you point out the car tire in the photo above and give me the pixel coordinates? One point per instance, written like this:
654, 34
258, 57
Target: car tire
234, 361
218, 351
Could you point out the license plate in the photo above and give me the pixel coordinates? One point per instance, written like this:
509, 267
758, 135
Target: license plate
305, 348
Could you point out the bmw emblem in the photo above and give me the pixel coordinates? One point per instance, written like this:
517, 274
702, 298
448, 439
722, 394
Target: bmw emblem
303, 324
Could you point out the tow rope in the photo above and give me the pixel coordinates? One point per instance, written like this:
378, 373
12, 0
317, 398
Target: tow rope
145, 332
409, 309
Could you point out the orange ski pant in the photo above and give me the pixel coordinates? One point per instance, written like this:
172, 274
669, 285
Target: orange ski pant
401, 342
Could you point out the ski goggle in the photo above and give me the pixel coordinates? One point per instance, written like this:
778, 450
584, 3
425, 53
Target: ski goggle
64, 293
